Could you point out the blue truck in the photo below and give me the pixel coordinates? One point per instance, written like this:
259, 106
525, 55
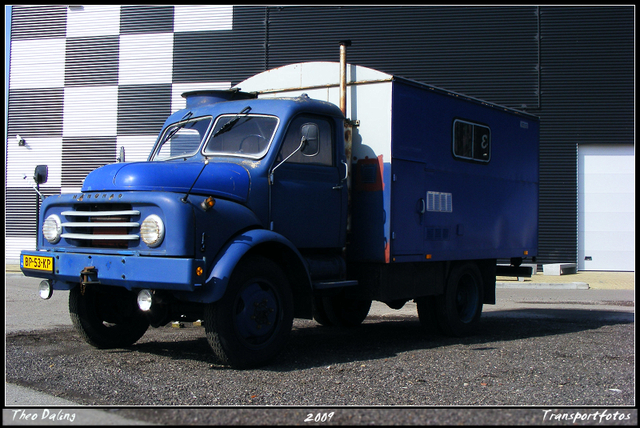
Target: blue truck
307, 191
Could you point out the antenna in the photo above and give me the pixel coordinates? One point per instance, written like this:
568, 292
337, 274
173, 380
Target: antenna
206, 162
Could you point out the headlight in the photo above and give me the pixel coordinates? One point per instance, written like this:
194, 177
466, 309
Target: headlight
152, 231
52, 229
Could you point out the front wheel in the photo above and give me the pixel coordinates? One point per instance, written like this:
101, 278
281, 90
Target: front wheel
460, 308
251, 324
106, 317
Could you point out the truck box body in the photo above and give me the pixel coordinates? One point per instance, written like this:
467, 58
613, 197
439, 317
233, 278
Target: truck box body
423, 185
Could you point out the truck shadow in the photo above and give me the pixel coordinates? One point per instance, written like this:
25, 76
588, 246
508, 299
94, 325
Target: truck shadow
387, 337
383, 337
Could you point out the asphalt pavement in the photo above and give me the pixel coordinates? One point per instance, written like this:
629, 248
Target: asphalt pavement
24, 406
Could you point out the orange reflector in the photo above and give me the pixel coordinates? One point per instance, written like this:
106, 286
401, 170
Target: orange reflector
428, 256
526, 252
199, 271
208, 203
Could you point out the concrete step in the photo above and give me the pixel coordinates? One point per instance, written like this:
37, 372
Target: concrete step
560, 268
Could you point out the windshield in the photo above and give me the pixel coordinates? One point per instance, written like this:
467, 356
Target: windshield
247, 136
182, 139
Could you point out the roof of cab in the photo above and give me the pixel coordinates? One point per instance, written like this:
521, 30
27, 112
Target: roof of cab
281, 107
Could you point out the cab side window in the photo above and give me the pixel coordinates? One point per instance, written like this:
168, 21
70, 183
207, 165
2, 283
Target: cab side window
318, 147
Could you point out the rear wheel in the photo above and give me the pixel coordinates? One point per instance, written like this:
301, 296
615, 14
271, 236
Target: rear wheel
342, 311
106, 317
459, 309
319, 312
251, 324
427, 314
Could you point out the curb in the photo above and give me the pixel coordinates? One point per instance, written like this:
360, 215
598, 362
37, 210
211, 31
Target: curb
545, 285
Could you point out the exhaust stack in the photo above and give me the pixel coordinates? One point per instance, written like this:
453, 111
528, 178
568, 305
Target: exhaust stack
343, 75
348, 125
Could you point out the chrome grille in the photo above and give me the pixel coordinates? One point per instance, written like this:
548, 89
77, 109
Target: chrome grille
101, 226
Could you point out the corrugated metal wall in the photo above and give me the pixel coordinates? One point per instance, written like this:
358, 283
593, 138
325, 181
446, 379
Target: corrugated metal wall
87, 80
587, 98
222, 55
572, 66
486, 52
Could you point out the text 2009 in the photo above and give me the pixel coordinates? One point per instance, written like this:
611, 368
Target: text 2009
320, 417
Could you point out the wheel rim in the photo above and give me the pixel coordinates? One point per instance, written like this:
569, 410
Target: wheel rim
257, 311
467, 296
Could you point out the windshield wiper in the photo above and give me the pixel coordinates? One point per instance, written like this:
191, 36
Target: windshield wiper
227, 126
175, 130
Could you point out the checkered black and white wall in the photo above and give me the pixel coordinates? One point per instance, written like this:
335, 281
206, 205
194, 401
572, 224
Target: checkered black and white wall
86, 80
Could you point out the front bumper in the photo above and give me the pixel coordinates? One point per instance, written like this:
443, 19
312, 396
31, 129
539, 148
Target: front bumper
128, 271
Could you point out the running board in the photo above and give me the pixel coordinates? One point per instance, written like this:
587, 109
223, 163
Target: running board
323, 285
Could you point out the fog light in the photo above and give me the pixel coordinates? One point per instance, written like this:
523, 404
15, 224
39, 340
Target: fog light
145, 299
45, 290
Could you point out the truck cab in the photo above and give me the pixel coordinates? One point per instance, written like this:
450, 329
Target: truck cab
285, 161
231, 180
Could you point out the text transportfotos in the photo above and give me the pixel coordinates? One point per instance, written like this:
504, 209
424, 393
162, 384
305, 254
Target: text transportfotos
599, 416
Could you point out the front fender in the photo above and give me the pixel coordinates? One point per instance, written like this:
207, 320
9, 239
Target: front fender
231, 254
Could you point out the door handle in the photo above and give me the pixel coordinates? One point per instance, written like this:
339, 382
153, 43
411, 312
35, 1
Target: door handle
346, 170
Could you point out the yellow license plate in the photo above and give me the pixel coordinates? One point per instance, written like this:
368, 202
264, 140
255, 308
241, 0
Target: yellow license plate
37, 263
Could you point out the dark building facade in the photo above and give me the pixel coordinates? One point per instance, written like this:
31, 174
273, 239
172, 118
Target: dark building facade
571, 66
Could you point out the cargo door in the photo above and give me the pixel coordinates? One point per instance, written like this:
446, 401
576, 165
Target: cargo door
408, 208
606, 208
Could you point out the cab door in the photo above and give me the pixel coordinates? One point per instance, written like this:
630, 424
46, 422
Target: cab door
308, 192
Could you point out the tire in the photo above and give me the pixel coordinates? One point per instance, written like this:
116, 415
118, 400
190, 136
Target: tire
107, 317
460, 308
251, 324
342, 311
428, 315
319, 312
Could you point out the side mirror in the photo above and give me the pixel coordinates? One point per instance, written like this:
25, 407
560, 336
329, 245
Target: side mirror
41, 174
310, 144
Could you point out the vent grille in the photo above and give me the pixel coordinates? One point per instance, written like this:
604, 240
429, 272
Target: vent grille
441, 202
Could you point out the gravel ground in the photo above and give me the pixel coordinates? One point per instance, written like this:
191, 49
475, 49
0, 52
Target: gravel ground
384, 362
539, 355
